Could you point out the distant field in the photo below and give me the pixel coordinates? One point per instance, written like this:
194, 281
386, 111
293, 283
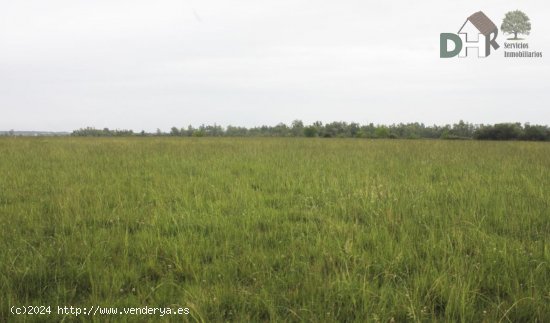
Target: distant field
253, 230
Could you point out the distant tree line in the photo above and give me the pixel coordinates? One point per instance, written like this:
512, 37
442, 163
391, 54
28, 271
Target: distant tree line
457, 131
10, 133
105, 132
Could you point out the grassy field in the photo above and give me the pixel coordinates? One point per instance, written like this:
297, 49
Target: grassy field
254, 230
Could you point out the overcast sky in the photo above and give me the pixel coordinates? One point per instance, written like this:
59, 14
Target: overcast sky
66, 64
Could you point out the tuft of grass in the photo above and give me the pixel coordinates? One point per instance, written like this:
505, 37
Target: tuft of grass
277, 229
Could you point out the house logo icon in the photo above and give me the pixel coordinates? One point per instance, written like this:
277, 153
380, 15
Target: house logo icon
477, 34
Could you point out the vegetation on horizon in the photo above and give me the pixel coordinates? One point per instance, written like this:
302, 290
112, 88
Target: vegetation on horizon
460, 130
272, 229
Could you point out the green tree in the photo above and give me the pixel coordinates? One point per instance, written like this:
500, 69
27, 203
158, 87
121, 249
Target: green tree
175, 132
198, 133
382, 132
516, 22
311, 131
297, 128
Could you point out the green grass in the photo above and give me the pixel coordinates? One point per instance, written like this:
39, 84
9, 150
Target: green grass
253, 230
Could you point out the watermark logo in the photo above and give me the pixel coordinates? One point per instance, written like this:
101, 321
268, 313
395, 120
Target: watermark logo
478, 33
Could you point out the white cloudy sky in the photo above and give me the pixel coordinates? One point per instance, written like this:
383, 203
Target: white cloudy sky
66, 64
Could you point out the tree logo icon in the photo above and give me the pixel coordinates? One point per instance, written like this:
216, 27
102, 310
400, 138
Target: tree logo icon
514, 23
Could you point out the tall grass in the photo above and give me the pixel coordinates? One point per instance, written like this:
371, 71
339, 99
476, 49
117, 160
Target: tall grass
277, 229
